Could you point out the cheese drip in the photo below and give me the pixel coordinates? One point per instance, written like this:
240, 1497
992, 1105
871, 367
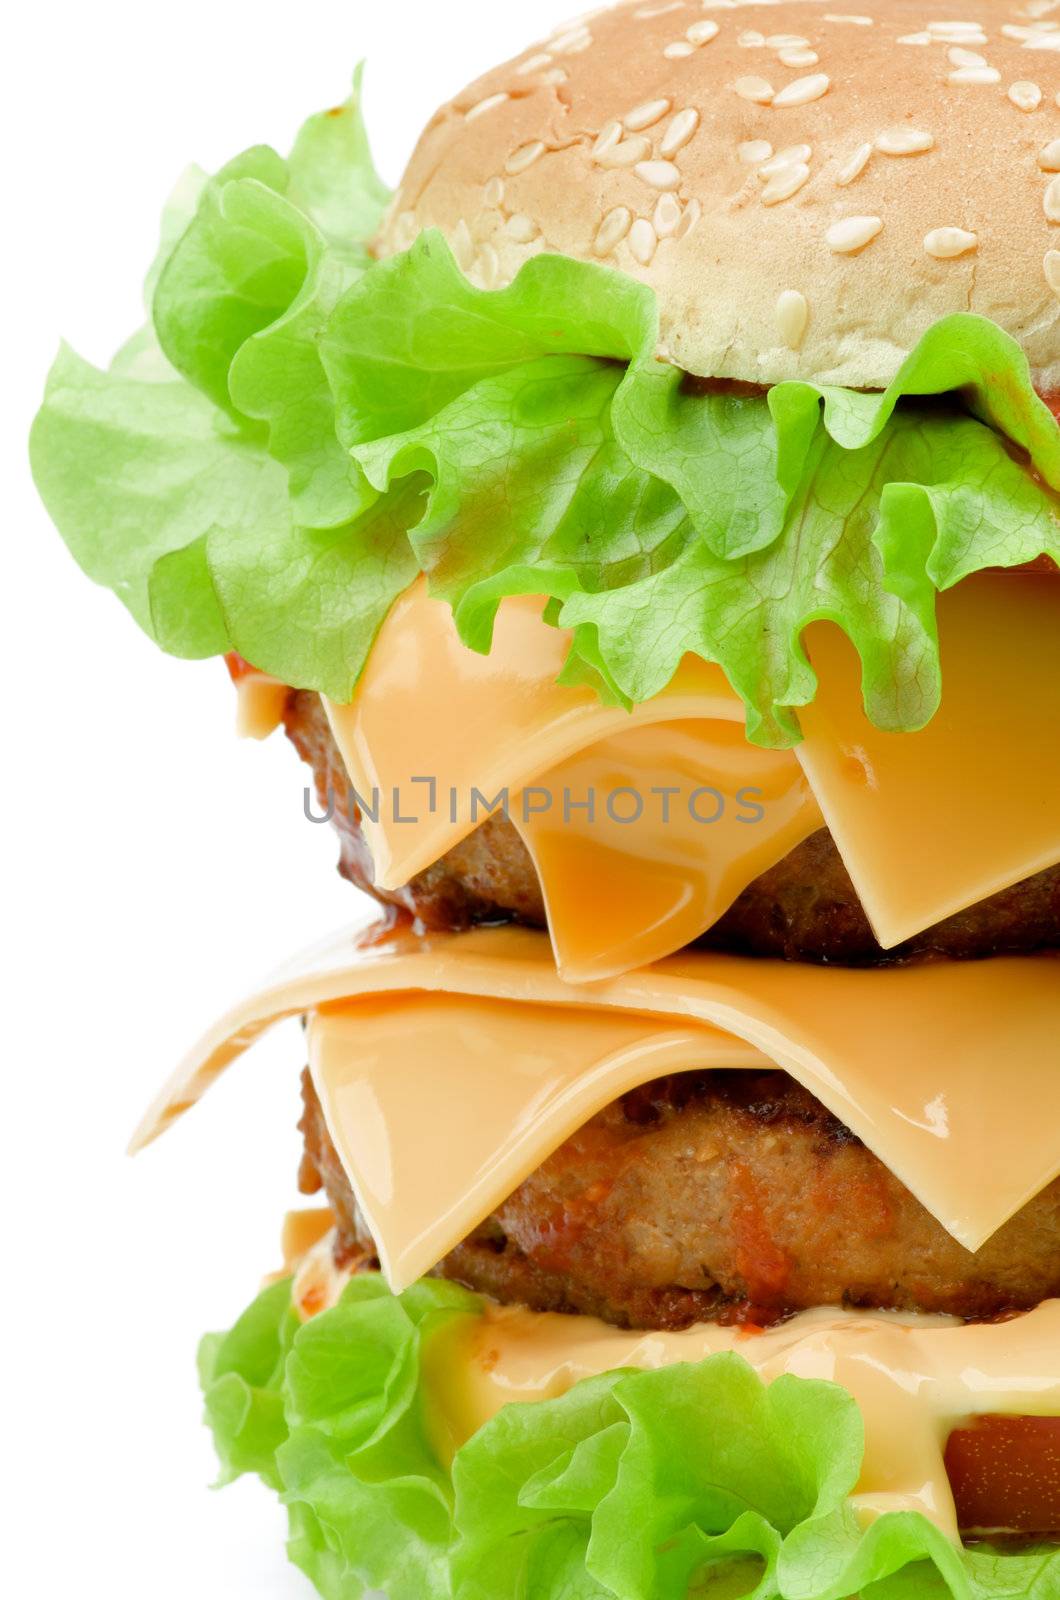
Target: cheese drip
624, 884
927, 823
260, 700
644, 825
947, 1071
914, 1377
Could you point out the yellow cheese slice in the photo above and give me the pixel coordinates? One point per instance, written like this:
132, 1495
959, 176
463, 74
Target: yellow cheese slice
928, 823
428, 708
507, 1082
644, 826
948, 1071
644, 840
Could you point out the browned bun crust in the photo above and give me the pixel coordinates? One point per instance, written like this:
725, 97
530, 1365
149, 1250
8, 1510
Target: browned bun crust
628, 138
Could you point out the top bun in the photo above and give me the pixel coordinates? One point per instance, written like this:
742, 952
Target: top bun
806, 191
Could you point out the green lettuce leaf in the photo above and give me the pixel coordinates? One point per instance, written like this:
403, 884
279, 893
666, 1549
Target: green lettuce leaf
694, 1480
242, 1378
309, 429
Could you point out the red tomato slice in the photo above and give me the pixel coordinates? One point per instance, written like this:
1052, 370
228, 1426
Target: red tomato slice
1005, 1475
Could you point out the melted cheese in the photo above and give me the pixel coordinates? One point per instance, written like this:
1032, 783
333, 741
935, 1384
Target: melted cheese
931, 822
914, 1377
927, 823
947, 1071
692, 815
436, 733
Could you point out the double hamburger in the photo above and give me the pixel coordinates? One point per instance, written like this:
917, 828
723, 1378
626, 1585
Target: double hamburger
646, 525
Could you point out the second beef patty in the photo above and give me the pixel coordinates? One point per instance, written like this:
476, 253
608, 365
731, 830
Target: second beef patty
731, 1196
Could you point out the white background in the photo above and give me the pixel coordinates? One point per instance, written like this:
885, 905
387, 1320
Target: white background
154, 867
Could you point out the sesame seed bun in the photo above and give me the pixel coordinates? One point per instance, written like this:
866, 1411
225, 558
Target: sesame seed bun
920, 176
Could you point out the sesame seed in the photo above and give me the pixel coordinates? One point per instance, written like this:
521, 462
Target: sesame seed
493, 193
488, 265
667, 216
800, 91
798, 58
756, 89
1049, 156
1025, 95
646, 115
975, 75
490, 102
626, 154
554, 75
787, 41
959, 38
945, 243
533, 64
751, 40
1051, 265
610, 135
524, 157
643, 241
854, 166
679, 49
852, 233
679, 131
858, 22
914, 38
645, 13
1013, 30
1043, 41
1051, 199
792, 316
953, 30
784, 158
572, 43
463, 245
960, 57
754, 150
658, 174
788, 180
904, 142
693, 212
701, 32
521, 228
612, 230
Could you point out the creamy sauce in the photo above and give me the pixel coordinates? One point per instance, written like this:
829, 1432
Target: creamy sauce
914, 1378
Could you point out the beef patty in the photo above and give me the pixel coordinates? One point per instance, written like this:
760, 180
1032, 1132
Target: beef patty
719, 1196
803, 909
